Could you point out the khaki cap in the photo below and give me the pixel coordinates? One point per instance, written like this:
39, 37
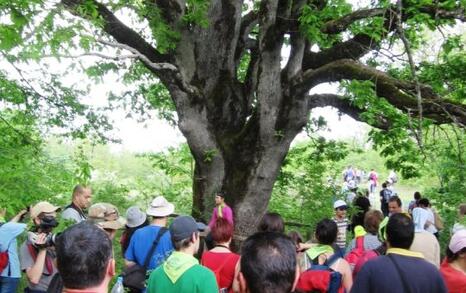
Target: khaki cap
42, 207
106, 216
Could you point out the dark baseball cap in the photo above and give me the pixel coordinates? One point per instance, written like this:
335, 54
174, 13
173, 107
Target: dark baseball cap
183, 227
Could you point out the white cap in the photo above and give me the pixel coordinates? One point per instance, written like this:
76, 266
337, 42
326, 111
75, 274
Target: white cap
339, 203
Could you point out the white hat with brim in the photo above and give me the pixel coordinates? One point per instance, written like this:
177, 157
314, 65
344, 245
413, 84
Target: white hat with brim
42, 207
160, 207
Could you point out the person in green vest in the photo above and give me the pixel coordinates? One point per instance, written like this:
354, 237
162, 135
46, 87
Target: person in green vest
181, 272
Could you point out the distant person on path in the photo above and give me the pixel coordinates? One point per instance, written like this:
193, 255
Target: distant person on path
348, 174
461, 213
385, 195
424, 242
221, 260
400, 270
181, 272
271, 222
341, 220
9, 231
268, 264
414, 203
81, 200
84, 259
453, 268
135, 219
373, 177
392, 178
394, 205
221, 210
142, 239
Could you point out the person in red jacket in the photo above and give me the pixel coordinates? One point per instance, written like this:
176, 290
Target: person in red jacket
221, 260
453, 268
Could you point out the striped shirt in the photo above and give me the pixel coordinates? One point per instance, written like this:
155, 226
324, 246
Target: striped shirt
342, 225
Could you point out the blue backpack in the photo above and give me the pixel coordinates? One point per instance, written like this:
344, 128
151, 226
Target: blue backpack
321, 278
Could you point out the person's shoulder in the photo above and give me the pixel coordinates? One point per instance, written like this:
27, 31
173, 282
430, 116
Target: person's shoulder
201, 271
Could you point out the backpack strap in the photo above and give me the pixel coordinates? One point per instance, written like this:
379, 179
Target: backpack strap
154, 246
330, 261
48, 262
360, 242
406, 288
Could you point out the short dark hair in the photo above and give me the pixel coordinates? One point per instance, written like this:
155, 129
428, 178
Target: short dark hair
83, 254
222, 231
396, 199
424, 202
272, 222
384, 185
79, 189
181, 244
268, 262
326, 231
400, 231
417, 195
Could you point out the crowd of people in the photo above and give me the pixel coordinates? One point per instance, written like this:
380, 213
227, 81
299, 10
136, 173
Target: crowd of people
393, 250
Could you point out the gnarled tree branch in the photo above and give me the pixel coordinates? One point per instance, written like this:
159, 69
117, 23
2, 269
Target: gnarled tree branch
400, 94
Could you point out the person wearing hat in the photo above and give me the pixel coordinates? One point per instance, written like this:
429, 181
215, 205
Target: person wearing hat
37, 257
181, 272
341, 220
107, 217
221, 210
9, 231
453, 268
143, 239
135, 219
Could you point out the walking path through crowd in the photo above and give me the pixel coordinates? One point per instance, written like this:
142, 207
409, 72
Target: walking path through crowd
383, 247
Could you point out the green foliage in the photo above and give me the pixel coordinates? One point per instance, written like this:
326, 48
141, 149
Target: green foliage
28, 174
312, 19
396, 144
372, 27
302, 193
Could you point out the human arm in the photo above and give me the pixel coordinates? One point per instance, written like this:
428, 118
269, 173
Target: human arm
213, 219
34, 268
18, 217
129, 257
347, 275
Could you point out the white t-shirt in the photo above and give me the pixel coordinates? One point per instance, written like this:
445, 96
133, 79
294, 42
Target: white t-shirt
431, 228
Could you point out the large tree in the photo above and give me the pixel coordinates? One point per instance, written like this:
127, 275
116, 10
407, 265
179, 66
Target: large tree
238, 103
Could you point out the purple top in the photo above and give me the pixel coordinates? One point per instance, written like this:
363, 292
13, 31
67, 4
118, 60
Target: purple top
227, 214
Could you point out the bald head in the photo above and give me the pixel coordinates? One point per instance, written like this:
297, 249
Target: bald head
82, 196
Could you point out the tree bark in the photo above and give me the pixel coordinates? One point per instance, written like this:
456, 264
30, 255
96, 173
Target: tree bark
239, 131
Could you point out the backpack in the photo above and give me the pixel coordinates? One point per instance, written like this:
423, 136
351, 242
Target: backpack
321, 278
366, 255
387, 193
353, 256
4, 258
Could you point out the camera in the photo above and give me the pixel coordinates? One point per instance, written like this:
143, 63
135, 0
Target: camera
48, 241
